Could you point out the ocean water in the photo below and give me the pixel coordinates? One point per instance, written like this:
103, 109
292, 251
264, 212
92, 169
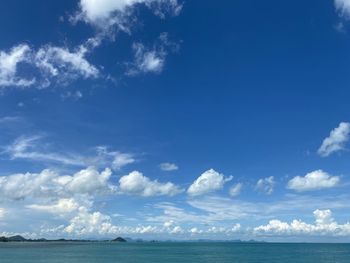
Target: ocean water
172, 252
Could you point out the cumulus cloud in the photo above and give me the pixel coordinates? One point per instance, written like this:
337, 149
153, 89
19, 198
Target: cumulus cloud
343, 8
266, 185
86, 223
236, 189
336, 140
315, 180
324, 225
168, 167
107, 13
136, 183
208, 182
9, 62
50, 184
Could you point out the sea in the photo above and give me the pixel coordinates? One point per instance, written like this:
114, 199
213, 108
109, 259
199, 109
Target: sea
168, 252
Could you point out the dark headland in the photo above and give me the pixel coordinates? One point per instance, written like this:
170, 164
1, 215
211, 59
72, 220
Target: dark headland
19, 238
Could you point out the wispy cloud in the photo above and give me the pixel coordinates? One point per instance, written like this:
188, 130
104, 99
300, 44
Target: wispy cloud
150, 60
266, 185
9, 62
336, 140
235, 190
33, 148
343, 8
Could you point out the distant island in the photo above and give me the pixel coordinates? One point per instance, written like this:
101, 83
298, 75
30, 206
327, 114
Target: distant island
19, 238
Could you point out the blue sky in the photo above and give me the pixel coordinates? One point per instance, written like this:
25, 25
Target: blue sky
175, 119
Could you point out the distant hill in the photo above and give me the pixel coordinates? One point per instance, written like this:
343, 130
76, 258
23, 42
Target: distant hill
16, 239
119, 239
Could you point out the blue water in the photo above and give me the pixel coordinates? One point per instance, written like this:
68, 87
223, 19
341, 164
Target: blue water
172, 252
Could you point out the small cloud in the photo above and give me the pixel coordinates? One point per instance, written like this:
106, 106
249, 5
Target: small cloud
236, 189
266, 185
72, 95
136, 183
168, 167
340, 27
9, 62
343, 8
336, 140
150, 60
9, 119
208, 182
2, 213
315, 180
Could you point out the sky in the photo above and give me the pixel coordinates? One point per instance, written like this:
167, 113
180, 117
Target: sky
175, 119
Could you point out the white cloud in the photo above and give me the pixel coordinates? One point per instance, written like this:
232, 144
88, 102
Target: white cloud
27, 147
176, 230
136, 183
107, 13
224, 230
9, 65
63, 64
324, 225
87, 181
208, 182
2, 213
48, 63
54, 65
9, 119
336, 140
61, 207
86, 223
168, 167
236, 189
115, 158
146, 60
266, 185
50, 184
151, 60
195, 231
315, 180
33, 148
343, 7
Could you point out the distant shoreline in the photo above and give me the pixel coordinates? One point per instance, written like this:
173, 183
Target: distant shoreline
20, 239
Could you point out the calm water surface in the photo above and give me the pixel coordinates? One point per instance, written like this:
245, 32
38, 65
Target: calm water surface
172, 252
